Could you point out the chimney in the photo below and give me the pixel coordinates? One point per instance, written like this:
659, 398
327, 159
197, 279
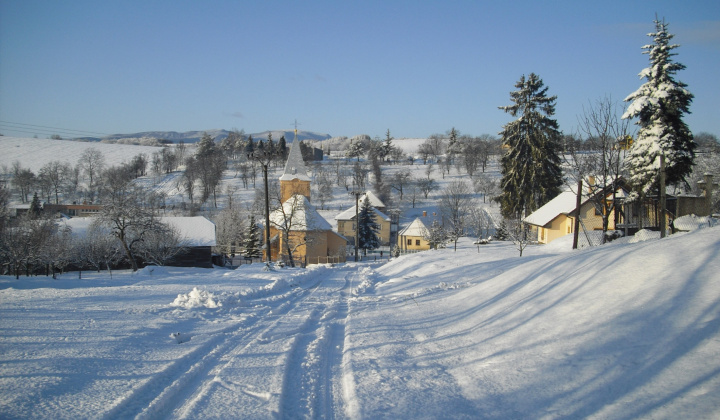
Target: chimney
591, 184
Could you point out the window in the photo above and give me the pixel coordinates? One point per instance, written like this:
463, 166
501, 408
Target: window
409, 241
417, 242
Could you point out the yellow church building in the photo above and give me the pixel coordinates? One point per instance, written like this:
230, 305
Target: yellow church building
298, 233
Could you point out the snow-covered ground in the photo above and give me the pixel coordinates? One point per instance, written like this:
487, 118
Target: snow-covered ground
33, 154
618, 331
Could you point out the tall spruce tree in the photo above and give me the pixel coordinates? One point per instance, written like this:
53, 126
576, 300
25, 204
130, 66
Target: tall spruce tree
368, 229
252, 239
659, 104
531, 170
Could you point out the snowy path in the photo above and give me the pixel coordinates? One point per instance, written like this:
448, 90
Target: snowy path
280, 361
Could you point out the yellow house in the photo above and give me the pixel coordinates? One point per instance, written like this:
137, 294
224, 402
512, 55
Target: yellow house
297, 230
557, 217
412, 238
346, 220
553, 220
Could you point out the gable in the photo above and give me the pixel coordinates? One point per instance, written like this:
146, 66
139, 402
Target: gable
562, 204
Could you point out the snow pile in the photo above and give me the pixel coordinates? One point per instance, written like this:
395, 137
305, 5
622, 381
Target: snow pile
196, 299
644, 235
367, 279
691, 222
152, 270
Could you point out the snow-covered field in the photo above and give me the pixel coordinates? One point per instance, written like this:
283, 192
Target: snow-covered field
33, 154
620, 331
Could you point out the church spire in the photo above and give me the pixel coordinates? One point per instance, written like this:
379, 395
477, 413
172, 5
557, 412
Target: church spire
294, 179
295, 167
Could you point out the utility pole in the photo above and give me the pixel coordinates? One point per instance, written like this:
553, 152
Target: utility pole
662, 196
264, 155
578, 203
357, 195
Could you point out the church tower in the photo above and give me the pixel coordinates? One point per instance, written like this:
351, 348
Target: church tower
294, 179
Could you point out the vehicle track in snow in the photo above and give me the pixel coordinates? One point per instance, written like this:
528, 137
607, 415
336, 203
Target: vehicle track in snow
160, 395
315, 359
230, 373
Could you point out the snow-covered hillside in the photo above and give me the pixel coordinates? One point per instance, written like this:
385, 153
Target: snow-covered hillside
620, 331
33, 154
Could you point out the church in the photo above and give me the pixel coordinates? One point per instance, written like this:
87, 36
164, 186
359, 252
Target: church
298, 233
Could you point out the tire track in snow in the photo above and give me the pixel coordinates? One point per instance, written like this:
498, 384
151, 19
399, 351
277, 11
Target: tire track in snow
166, 390
314, 359
283, 333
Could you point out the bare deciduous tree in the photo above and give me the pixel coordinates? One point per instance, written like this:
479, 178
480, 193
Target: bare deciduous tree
455, 205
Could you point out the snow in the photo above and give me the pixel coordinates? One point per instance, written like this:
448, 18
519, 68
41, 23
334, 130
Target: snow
617, 331
33, 154
691, 222
301, 214
349, 214
416, 228
195, 231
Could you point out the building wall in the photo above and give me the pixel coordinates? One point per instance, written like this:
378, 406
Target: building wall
413, 243
347, 229
199, 256
557, 228
311, 247
296, 186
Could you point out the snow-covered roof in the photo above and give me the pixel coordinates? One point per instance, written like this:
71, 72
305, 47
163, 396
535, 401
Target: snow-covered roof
304, 216
562, 204
374, 200
349, 214
78, 225
416, 228
295, 166
197, 231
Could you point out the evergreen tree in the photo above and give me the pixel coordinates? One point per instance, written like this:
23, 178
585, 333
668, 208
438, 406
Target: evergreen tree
436, 235
356, 150
501, 233
531, 170
35, 208
453, 147
252, 240
282, 149
659, 105
249, 146
206, 146
368, 229
387, 147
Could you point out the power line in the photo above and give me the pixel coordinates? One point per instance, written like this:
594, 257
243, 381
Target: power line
22, 127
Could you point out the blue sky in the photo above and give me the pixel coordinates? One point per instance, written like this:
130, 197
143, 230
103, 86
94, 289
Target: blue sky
338, 67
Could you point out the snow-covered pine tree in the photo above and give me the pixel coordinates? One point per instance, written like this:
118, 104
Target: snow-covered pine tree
387, 147
435, 235
531, 170
355, 150
659, 104
252, 239
368, 229
501, 233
